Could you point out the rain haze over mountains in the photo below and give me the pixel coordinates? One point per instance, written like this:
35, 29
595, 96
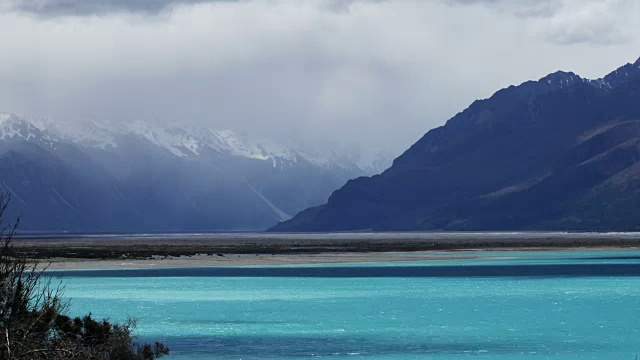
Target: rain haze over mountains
93, 176
188, 109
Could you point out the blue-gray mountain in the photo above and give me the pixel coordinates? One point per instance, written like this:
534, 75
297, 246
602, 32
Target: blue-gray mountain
91, 176
562, 152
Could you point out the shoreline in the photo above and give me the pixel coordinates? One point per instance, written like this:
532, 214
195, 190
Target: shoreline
265, 249
274, 260
233, 260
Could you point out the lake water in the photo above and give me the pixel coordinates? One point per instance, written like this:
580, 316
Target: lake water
515, 305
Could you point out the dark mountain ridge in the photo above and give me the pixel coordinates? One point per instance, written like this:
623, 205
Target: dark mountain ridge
558, 153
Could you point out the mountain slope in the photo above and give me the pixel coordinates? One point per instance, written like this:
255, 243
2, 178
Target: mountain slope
94, 176
557, 153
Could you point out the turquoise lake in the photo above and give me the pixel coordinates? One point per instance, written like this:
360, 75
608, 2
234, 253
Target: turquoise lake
511, 305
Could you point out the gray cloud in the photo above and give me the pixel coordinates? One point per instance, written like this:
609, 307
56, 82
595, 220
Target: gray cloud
600, 23
54, 8
600, 33
567, 22
345, 5
522, 9
57, 8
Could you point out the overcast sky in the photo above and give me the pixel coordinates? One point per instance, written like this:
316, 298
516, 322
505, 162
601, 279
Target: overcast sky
372, 73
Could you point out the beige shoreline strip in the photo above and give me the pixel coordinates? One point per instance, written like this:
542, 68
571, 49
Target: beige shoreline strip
246, 249
203, 260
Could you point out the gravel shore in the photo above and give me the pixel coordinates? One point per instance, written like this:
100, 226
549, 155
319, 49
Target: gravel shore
247, 249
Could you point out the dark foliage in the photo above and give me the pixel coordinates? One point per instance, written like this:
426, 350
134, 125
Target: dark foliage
33, 319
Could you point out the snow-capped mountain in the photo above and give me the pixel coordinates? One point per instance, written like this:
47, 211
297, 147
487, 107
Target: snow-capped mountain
15, 127
186, 141
91, 175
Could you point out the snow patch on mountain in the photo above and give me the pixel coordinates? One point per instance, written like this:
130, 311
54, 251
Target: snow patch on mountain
13, 126
88, 132
180, 141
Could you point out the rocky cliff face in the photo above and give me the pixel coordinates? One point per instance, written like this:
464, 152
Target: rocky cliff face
558, 153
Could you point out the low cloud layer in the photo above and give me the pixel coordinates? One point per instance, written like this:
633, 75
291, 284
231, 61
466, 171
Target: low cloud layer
371, 74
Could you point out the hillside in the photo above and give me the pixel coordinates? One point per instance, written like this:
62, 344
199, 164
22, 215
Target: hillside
92, 176
562, 153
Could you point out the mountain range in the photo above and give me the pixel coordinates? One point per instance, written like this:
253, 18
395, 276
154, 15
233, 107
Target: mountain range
560, 153
93, 176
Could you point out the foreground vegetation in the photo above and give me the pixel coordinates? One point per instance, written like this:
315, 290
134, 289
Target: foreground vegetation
34, 323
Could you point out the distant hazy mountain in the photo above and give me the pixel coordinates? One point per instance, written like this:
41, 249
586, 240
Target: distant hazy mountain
92, 176
562, 152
